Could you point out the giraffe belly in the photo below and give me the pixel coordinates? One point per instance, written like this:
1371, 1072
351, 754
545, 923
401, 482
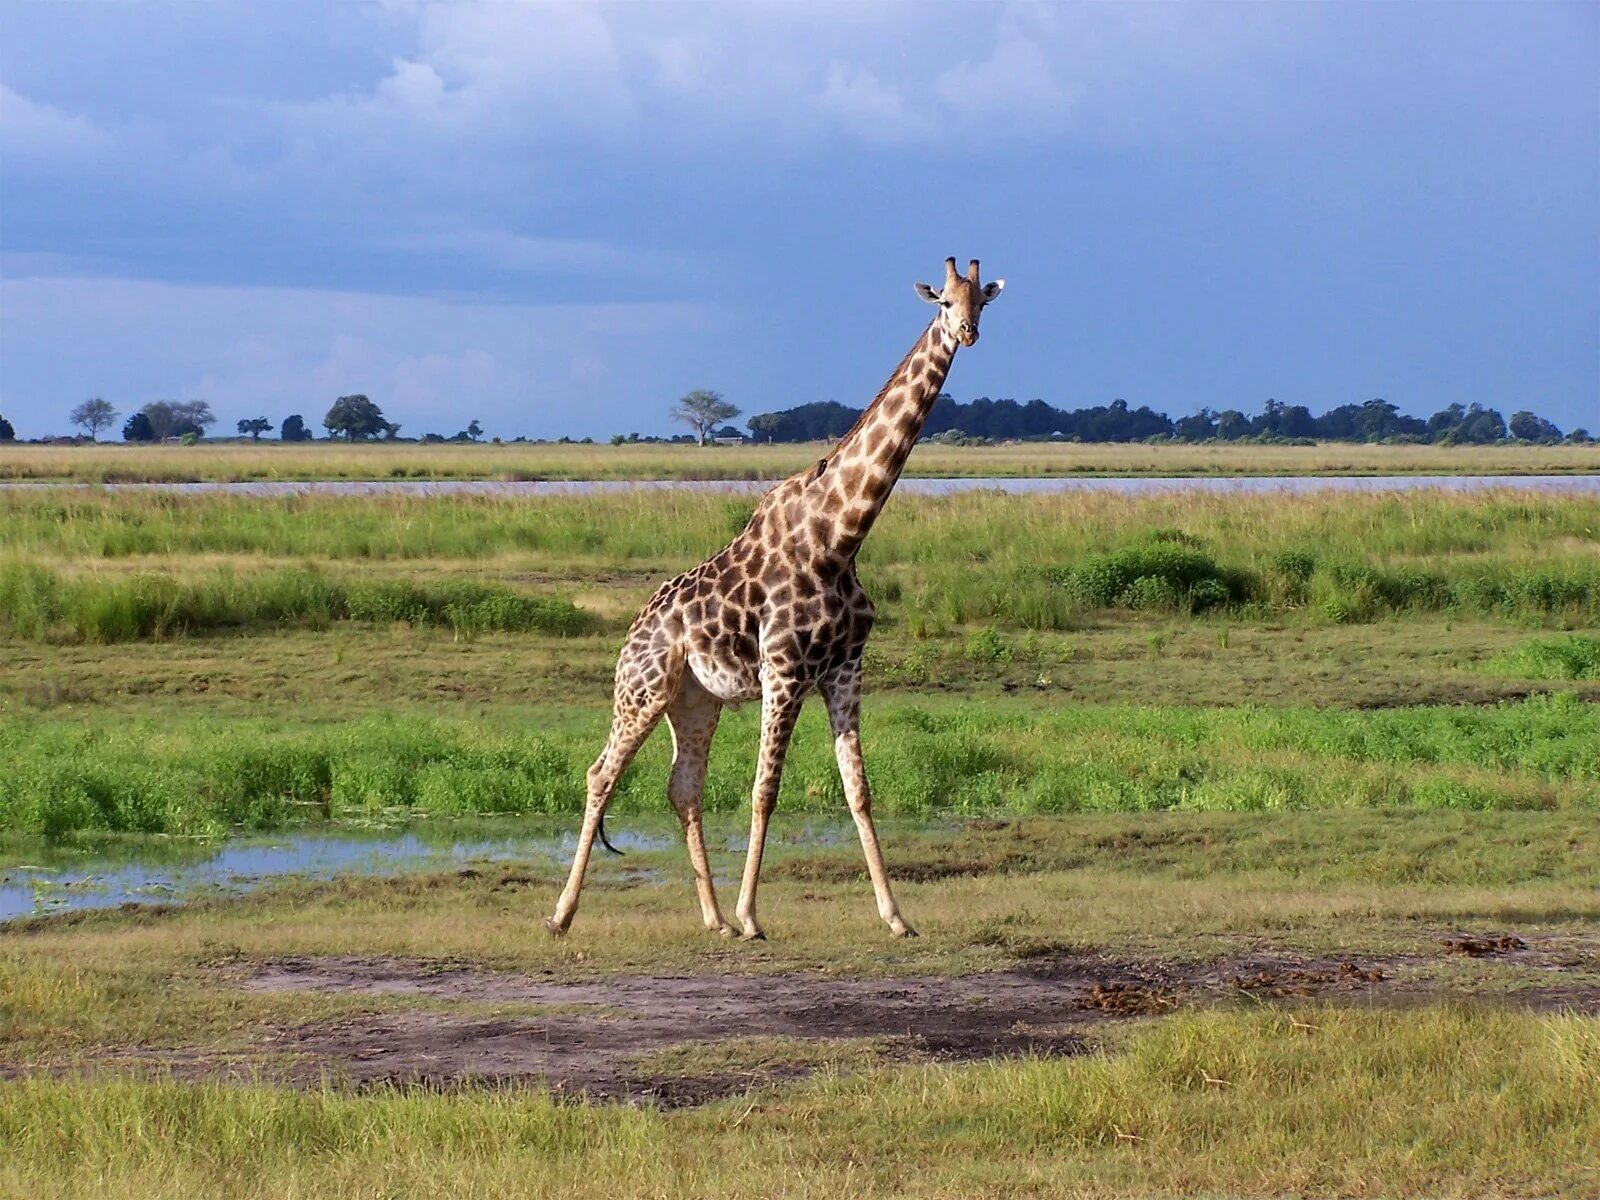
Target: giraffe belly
730, 682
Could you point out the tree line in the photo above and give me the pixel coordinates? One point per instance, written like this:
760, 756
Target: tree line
352, 418
993, 420
357, 418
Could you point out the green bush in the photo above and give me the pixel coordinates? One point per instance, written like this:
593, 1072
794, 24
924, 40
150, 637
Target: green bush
987, 645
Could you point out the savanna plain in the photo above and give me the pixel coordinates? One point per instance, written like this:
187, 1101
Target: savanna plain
1253, 841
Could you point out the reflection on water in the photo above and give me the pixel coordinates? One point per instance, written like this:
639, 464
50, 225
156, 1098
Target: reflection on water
52, 877
1127, 485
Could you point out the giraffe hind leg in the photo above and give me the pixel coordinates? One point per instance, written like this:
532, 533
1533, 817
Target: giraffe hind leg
639, 708
693, 716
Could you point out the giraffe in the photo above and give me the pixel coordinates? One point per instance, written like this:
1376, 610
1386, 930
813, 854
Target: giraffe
775, 615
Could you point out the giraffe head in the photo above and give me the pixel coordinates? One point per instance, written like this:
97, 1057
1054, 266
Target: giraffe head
961, 300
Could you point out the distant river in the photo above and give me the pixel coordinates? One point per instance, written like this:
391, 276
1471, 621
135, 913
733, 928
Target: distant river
1119, 485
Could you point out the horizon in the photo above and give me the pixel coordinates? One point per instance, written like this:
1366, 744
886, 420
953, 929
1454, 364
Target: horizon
560, 218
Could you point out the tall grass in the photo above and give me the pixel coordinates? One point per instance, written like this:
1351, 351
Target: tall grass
195, 775
39, 603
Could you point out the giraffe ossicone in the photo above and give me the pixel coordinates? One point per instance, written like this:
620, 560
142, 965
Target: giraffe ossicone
777, 614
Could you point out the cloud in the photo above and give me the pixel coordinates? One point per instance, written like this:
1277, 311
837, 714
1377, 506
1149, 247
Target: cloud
34, 132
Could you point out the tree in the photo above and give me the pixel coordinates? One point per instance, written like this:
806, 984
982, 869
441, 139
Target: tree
1232, 425
1201, 427
255, 427
294, 429
94, 415
137, 428
174, 418
474, 430
1529, 428
8, 431
355, 417
703, 411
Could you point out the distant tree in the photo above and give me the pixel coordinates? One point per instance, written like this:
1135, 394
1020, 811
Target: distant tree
1445, 422
193, 417
1232, 425
703, 411
255, 427
1579, 437
354, 416
1529, 428
808, 422
391, 430
432, 439
1478, 427
1201, 427
137, 428
474, 430
8, 431
93, 415
294, 429
174, 418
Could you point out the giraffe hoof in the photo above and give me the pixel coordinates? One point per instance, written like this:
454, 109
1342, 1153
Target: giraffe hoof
554, 928
752, 935
724, 929
905, 931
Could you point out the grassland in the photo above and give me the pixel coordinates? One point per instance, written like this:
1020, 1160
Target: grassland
1159, 736
114, 463
1235, 1094
104, 568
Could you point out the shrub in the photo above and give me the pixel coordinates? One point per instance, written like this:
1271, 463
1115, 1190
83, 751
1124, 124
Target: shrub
986, 645
1294, 566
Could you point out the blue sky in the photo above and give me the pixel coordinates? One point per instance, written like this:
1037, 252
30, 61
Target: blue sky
559, 217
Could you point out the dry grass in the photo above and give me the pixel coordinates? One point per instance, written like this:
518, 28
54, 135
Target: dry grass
115, 463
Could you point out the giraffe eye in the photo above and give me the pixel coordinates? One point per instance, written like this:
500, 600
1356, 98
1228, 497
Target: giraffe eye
944, 304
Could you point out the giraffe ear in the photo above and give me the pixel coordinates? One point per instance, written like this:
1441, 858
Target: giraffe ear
992, 289
927, 293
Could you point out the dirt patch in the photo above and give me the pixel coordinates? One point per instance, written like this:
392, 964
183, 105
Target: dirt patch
1482, 945
478, 1028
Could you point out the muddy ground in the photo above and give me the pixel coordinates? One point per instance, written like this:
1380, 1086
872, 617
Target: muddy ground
594, 1038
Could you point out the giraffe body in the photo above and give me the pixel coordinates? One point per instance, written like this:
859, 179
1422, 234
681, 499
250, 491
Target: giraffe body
777, 614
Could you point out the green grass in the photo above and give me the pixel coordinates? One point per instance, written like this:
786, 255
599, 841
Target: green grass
1014, 562
1574, 656
201, 775
1437, 1101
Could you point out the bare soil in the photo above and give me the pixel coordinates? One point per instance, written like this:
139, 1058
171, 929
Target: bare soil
588, 1037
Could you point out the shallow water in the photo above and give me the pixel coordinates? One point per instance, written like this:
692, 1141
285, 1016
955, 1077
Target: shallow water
55, 877
1119, 485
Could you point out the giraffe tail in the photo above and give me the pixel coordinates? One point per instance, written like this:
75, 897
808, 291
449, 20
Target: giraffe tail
605, 841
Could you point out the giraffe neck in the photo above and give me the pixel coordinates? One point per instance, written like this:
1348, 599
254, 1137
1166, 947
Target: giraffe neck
866, 464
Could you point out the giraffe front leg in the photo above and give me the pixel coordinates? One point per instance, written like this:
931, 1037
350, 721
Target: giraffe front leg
842, 694
780, 706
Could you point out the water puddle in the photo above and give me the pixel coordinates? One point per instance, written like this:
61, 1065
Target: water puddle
58, 877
